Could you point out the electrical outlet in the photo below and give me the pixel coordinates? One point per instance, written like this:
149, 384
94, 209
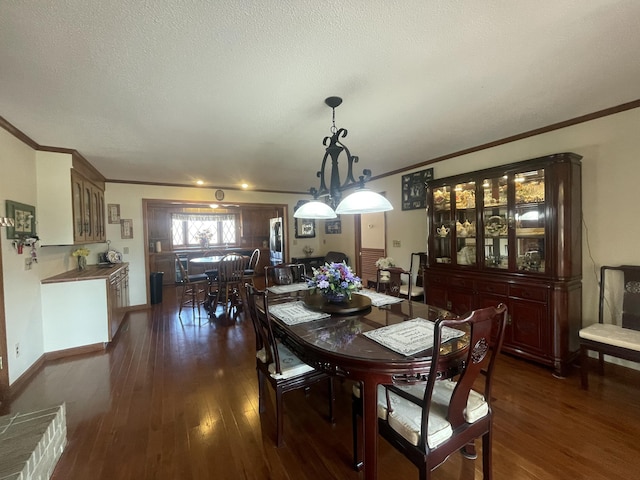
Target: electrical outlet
17, 349
396, 243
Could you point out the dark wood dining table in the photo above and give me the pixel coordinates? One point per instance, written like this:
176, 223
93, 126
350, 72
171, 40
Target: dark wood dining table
337, 345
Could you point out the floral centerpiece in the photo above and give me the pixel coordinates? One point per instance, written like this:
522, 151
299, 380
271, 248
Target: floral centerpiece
335, 281
204, 237
385, 262
81, 254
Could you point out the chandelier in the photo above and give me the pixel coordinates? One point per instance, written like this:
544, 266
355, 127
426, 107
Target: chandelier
362, 200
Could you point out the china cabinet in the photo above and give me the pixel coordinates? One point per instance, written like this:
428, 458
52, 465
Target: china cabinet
512, 234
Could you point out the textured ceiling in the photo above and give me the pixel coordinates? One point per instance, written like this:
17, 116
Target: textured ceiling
232, 91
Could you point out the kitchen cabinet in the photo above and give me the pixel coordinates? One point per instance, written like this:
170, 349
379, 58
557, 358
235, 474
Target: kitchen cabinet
84, 309
512, 234
71, 208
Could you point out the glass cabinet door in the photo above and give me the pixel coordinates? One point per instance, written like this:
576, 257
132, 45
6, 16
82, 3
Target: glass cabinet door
465, 223
530, 220
495, 220
442, 216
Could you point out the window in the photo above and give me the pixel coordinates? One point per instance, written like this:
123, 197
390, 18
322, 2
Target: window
191, 230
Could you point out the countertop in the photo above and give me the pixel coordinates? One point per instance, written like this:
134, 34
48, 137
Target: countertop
92, 272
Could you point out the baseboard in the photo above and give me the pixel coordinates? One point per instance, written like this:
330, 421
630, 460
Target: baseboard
69, 352
26, 376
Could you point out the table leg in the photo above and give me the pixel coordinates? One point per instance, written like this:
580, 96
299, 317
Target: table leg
370, 429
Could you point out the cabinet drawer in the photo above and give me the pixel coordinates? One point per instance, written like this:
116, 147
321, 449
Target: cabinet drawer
433, 279
461, 282
529, 293
493, 288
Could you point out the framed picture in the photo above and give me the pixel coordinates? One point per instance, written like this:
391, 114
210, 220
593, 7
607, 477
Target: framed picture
24, 220
126, 228
305, 227
114, 212
333, 226
413, 189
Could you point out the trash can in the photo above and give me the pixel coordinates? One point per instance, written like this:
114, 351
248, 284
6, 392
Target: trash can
155, 285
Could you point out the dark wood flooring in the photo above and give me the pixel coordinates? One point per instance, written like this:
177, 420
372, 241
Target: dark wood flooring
179, 401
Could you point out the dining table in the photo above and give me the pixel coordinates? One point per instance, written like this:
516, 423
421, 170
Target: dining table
374, 339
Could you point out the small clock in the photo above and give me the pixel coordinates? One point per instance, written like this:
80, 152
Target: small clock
219, 195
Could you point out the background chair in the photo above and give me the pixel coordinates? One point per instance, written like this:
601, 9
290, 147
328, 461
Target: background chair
617, 332
230, 282
337, 257
285, 274
392, 283
429, 422
193, 288
250, 271
413, 289
276, 363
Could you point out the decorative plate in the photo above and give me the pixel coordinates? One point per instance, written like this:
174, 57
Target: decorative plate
114, 257
495, 226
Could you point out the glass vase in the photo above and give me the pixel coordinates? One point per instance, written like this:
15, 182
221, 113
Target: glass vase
82, 262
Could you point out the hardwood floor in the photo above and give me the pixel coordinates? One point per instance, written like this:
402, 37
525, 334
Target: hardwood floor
179, 401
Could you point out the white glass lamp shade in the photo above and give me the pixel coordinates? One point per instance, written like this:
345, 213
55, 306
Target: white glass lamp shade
315, 209
363, 201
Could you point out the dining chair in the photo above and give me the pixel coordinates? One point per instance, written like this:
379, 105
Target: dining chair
429, 421
412, 290
390, 280
193, 288
230, 282
277, 364
285, 274
250, 271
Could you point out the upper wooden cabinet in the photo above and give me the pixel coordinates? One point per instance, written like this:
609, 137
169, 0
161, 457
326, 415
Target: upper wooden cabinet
71, 207
512, 234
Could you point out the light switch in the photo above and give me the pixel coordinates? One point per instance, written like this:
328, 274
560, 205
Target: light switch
396, 243
125, 250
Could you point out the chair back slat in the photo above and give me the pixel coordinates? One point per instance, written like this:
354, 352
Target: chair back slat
231, 268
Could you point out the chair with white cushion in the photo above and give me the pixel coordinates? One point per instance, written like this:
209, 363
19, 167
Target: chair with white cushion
276, 363
428, 422
617, 332
413, 290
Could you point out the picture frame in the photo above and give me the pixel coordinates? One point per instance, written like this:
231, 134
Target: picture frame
413, 189
333, 227
305, 228
24, 220
126, 228
113, 215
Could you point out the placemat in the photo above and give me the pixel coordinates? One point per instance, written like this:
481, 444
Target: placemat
294, 287
293, 313
410, 337
379, 299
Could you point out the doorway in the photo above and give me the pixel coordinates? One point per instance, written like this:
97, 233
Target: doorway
371, 235
4, 365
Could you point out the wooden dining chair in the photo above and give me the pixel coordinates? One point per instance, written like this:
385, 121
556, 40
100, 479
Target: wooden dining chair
393, 281
413, 290
250, 271
277, 364
230, 283
285, 274
427, 422
193, 286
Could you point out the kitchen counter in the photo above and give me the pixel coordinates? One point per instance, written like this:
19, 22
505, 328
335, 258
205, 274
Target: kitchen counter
92, 272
